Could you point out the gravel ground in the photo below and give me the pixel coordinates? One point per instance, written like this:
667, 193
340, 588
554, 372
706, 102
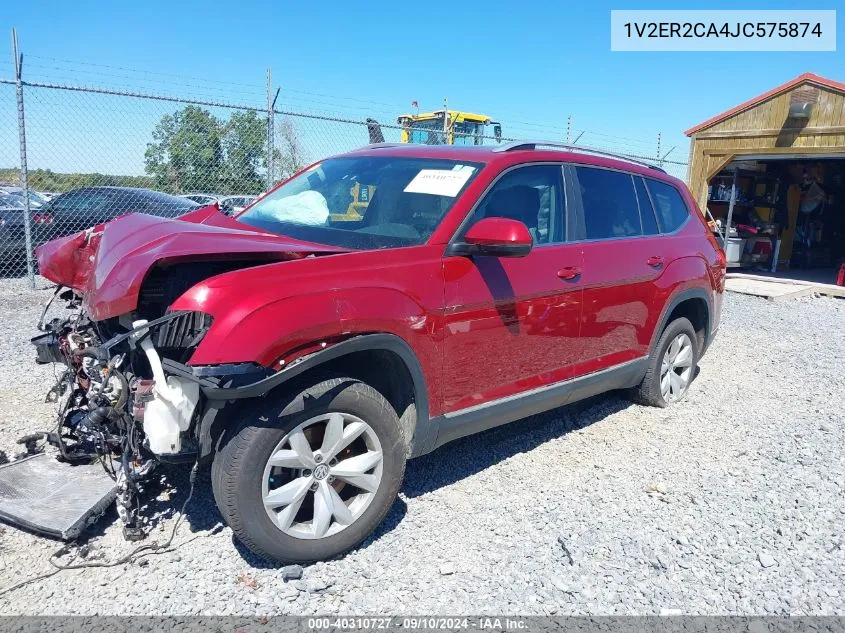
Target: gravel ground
731, 502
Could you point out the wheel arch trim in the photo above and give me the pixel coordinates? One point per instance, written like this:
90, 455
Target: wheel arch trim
424, 433
677, 299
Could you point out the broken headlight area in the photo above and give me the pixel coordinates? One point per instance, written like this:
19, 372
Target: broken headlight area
117, 403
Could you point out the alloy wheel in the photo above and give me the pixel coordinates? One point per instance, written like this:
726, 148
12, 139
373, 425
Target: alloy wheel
322, 476
676, 368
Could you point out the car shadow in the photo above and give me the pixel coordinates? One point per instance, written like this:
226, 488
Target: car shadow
445, 466
467, 456
160, 501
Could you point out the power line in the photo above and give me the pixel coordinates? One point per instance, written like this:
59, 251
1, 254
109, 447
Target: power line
140, 80
199, 79
289, 94
147, 72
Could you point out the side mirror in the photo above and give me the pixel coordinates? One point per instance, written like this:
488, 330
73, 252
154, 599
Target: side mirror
497, 237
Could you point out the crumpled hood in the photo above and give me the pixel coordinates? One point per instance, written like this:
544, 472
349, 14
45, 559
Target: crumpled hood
109, 261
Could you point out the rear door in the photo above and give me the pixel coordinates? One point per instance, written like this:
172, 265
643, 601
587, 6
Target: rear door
623, 261
512, 323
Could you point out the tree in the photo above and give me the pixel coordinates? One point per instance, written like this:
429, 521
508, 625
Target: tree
245, 146
186, 153
192, 150
288, 157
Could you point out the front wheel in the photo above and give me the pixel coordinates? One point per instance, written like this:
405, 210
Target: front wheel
672, 367
310, 476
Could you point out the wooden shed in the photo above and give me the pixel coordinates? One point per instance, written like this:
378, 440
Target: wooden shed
776, 165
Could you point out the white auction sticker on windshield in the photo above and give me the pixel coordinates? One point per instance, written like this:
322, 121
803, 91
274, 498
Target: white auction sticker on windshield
439, 182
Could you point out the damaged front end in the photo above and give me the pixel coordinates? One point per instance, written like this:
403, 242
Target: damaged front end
116, 403
127, 398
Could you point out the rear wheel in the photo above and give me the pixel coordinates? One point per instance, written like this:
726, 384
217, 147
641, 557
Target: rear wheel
312, 476
672, 368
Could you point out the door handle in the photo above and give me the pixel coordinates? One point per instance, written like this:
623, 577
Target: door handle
656, 261
569, 273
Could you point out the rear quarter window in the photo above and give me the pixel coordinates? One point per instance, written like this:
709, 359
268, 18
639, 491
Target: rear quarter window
670, 206
83, 199
646, 210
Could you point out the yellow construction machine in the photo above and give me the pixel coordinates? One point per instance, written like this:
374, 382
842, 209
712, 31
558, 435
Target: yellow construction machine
447, 127
441, 127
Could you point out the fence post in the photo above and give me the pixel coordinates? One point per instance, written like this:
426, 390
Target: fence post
30, 272
270, 131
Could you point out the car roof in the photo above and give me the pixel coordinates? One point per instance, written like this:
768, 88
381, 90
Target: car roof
514, 154
149, 194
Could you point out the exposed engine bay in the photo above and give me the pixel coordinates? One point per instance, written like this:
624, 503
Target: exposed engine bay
116, 403
134, 386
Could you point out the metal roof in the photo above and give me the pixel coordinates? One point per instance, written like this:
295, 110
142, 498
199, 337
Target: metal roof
809, 78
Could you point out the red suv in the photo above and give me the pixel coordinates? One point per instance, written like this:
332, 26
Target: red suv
370, 309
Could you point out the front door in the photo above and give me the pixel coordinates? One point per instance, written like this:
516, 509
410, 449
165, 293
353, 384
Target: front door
512, 323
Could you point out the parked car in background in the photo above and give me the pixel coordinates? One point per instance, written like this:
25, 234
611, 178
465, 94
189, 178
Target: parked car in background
202, 199
12, 235
36, 200
10, 202
82, 208
71, 212
231, 205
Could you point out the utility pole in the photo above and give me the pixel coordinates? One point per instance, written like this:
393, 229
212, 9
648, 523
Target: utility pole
568, 129
270, 131
445, 121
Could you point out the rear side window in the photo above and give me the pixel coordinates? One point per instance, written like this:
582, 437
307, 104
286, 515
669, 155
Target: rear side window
82, 199
669, 204
646, 210
610, 205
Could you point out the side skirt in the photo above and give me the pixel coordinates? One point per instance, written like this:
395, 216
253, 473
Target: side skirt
451, 426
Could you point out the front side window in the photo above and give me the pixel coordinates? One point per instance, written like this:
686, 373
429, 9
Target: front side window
610, 205
364, 202
671, 208
534, 196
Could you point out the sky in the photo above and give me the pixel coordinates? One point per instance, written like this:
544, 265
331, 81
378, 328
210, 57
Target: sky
529, 64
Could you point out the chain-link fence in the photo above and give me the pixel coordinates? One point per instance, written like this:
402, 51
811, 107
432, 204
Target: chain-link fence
92, 154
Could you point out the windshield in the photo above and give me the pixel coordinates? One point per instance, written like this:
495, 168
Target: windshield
364, 202
9, 201
37, 197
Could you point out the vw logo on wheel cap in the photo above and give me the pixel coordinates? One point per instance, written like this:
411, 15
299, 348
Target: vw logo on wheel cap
321, 471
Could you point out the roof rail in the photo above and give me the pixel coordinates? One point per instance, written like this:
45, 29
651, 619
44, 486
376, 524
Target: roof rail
518, 145
379, 146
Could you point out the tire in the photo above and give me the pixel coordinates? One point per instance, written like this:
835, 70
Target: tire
650, 391
241, 483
